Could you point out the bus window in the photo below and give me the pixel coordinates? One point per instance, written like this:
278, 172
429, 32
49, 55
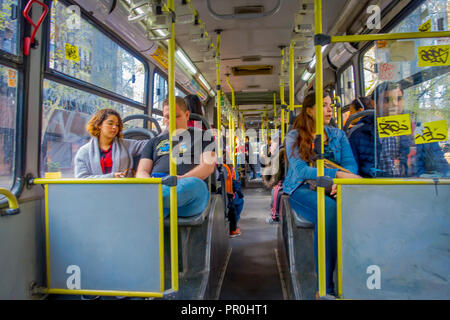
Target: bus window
66, 112
8, 107
413, 93
370, 73
179, 93
85, 53
160, 91
9, 26
9, 84
347, 85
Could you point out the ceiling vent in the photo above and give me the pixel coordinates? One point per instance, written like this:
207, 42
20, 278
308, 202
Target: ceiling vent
252, 70
251, 58
248, 9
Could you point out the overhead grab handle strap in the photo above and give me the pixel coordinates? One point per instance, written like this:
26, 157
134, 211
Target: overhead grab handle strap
29, 41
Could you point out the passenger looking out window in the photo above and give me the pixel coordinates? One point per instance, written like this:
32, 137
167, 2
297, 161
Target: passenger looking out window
395, 156
107, 154
194, 169
300, 154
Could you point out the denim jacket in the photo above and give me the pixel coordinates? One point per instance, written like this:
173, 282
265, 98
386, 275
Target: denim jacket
299, 170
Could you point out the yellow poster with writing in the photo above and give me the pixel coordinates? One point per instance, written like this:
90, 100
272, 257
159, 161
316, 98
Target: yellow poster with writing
71, 52
160, 55
431, 56
429, 132
392, 126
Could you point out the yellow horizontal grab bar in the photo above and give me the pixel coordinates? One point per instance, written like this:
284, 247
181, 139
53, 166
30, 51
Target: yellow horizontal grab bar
390, 36
99, 181
382, 181
105, 293
12, 200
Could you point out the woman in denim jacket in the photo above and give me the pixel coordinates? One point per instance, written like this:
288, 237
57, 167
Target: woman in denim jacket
299, 152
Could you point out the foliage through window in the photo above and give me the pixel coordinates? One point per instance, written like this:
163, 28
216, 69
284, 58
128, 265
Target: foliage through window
347, 85
8, 107
82, 51
9, 26
160, 91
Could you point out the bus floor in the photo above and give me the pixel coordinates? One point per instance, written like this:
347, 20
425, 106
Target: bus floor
252, 272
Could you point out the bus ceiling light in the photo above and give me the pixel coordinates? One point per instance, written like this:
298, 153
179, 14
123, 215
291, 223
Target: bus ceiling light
306, 75
185, 61
203, 80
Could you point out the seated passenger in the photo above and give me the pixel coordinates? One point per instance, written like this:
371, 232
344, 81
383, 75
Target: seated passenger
236, 200
300, 153
194, 105
107, 155
394, 155
190, 145
358, 105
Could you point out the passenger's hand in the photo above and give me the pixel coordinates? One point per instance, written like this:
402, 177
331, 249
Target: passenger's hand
345, 175
120, 174
333, 190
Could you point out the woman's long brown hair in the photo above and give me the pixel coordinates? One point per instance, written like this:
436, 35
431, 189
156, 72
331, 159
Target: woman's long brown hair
306, 128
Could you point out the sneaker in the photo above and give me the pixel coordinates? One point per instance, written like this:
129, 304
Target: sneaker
270, 220
235, 233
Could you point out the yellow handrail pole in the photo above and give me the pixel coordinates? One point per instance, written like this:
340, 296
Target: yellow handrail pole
219, 91
12, 200
173, 167
390, 36
291, 79
320, 162
282, 94
233, 106
275, 110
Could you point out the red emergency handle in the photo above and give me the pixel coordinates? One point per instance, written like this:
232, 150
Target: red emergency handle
28, 41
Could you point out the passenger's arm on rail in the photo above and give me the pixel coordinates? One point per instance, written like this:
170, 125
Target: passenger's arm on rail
144, 168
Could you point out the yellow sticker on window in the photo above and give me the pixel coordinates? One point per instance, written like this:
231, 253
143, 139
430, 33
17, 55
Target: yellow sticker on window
430, 56
71, 52
429, 132
426, 26
391, 126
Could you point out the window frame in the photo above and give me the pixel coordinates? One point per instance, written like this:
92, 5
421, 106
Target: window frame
19, 63
48, 73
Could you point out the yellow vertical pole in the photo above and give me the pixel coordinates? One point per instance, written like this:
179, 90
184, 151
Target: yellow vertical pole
282, 95
219, 93
339, 238
275, 110
291, 78
233, 103
173, 167
320, 162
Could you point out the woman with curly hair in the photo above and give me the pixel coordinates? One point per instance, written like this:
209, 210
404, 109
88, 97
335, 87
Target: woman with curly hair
107, 154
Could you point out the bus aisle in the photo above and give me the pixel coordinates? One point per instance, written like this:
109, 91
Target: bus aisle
252, 272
